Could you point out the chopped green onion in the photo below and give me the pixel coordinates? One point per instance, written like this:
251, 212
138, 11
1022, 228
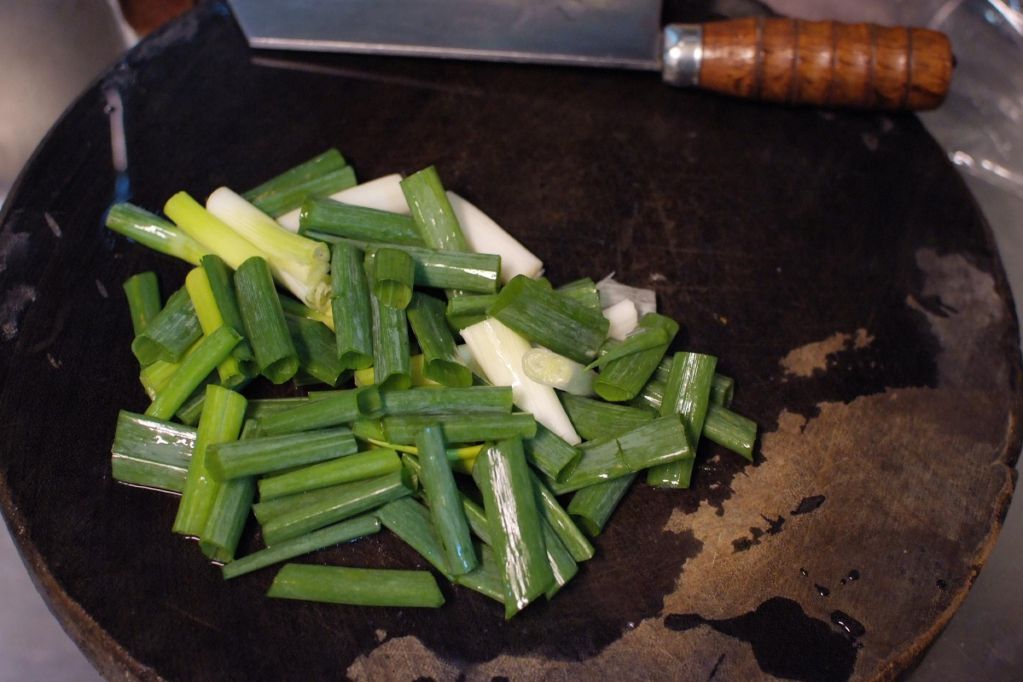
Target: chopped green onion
263, 407
559, 520
208, 353
516, 526
357, 467
221, 281
390, 345
563, 566
318, 166
316, 348
582, 291
212, 233
230, 511
550, 369
553, 321
432, 211
171, 333
639, 340
596, 419
345, 501
221, 421
623, 378
357, 586
730, 430
151, 453
155, 376
337, 534
593, 505
294, 197
201, 293
411, 522
440, 357
461, 458
393, 275
154, 232
499, 351
477, 519
438, 482
356, 222
461, 428
268, 454
470, 272
687, 394
265, 325
548, 452
351, 307
383, 194
340, 407
447, 400
292, 307
486, 579
143, 294
486, 236
468, 309
722, 390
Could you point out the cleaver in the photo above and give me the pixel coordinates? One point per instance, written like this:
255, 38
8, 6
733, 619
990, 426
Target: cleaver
822, 63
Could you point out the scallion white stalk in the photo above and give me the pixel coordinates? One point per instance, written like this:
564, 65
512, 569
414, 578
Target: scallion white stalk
550, 369
611, 292
623, 317
383, 194
499, 351
486, 236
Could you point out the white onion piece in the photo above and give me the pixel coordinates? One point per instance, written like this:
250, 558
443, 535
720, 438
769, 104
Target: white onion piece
498, 350
383, 194
612, 292
623, 317
486, 236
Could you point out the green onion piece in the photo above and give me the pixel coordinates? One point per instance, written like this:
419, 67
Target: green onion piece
461, 458
356, 222
221, 281
486, 579
316, 348
561, 523
191, 410
199, 290
393, 276
314, 188
516, 526
722, 390
411, 522
461, 428
466, 310
296, 309
357, 586
687, 394
555, 322
264, 407
470, 272
391, 354
582, 291
357, 467
221, 422
329, 161
230, 511
151, 453
442, 364
339, 407
623, 378
596, 419
550, 369
265, 510
593, 505
639, 340
651, 396
274, 453
213, 234
353, 319
563, 566
550, 453
432, 211
143, 294
438, 482
345, 501
196, 366
154, 232
730, 430
171, 333
371, 430
339, 533
265, 325
447, 400
658, 441
477, 519
155, 376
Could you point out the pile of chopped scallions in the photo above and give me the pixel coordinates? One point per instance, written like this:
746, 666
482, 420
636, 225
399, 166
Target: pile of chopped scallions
496, 460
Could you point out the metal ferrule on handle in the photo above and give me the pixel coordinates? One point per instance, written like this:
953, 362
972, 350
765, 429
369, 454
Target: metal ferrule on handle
682, 53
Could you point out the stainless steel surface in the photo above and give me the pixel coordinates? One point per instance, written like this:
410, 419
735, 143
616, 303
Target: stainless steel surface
682, 54
607, 33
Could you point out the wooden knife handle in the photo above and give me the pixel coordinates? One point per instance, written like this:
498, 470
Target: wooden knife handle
823, 63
